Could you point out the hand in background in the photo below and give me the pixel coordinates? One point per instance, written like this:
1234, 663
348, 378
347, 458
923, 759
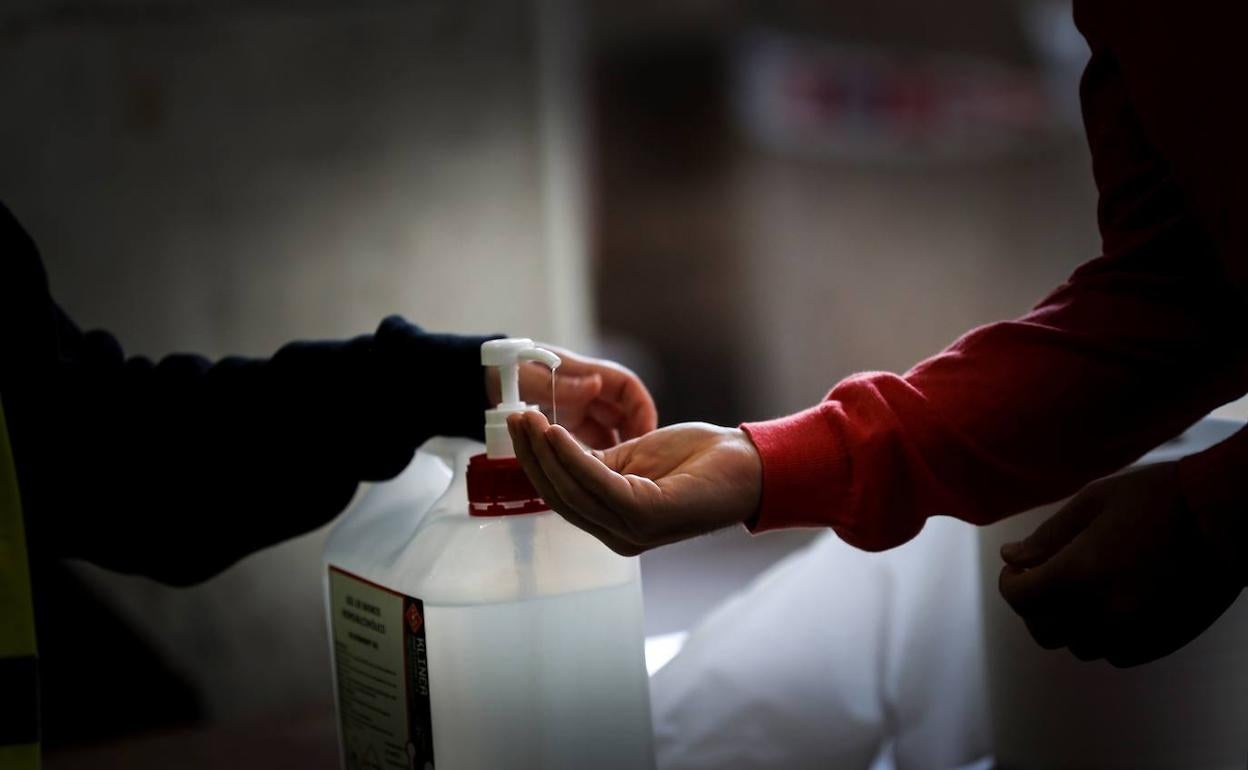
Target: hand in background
675, 483
600, 402
1122, 572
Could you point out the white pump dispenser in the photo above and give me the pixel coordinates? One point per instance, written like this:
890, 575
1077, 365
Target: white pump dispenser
478, 629
506, 355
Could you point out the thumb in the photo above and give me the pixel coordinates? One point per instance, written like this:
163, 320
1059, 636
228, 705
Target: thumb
1051, 536
617, 457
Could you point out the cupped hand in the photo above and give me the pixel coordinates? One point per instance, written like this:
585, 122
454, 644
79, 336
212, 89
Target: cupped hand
599, 401
1124, 572
679, 482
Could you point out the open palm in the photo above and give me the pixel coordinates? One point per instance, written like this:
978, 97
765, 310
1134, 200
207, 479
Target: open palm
669, 485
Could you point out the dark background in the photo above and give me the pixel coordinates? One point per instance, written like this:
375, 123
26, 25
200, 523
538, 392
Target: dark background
745, 201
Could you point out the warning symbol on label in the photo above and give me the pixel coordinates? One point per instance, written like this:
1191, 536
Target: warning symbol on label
414, 620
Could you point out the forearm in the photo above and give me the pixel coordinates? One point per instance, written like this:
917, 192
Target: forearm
1136, 346
180, 468
1011, 416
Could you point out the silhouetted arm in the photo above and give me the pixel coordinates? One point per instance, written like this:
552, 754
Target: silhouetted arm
178, 468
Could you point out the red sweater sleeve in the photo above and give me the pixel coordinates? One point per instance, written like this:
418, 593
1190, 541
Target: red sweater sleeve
1137, 345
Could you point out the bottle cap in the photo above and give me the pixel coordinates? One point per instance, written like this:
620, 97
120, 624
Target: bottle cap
499, 487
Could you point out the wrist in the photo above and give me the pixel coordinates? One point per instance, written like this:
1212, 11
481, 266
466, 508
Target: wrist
806, 475
751, 476
440, 374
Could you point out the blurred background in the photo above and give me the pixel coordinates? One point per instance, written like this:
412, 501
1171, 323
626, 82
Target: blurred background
744, 201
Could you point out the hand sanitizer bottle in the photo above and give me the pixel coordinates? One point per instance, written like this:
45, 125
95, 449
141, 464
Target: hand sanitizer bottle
501, 639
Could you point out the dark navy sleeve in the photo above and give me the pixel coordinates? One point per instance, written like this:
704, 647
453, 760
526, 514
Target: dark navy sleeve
177, 468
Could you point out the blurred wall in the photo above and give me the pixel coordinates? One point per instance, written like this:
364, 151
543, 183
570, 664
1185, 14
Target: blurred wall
223, 178
759, 276
755, 276
857, 269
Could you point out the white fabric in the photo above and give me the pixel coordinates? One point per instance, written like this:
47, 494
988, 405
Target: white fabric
829, 654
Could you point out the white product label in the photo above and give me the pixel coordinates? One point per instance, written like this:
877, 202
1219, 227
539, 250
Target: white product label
381, 661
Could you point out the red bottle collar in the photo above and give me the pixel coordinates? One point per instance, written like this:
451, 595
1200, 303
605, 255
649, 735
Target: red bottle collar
501, 488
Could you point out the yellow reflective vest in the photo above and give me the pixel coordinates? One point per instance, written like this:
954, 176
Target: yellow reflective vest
19, 672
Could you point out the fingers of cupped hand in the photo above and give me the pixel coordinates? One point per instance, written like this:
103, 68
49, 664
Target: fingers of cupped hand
1090, 647
581, 485
1123, 648
1027, 591
1123, 625
523, 439
1129, 641
1056, 532
610, 497
1062, 607
1084, 627
593, 469
1050, 632
567, 484
1069, 577
527, 438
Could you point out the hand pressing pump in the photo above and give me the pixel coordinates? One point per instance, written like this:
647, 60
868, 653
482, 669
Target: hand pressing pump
472, 628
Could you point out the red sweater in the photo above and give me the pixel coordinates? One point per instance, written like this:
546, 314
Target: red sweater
1137, 344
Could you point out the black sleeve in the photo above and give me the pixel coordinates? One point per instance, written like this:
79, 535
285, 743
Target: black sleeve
179, 468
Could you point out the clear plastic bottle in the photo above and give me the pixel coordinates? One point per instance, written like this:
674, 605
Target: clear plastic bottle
504, 638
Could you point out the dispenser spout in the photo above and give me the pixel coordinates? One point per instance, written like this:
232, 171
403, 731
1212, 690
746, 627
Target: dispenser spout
542, 356
507, 355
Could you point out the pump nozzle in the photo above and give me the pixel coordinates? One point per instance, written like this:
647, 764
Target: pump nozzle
542, 356
507, 355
